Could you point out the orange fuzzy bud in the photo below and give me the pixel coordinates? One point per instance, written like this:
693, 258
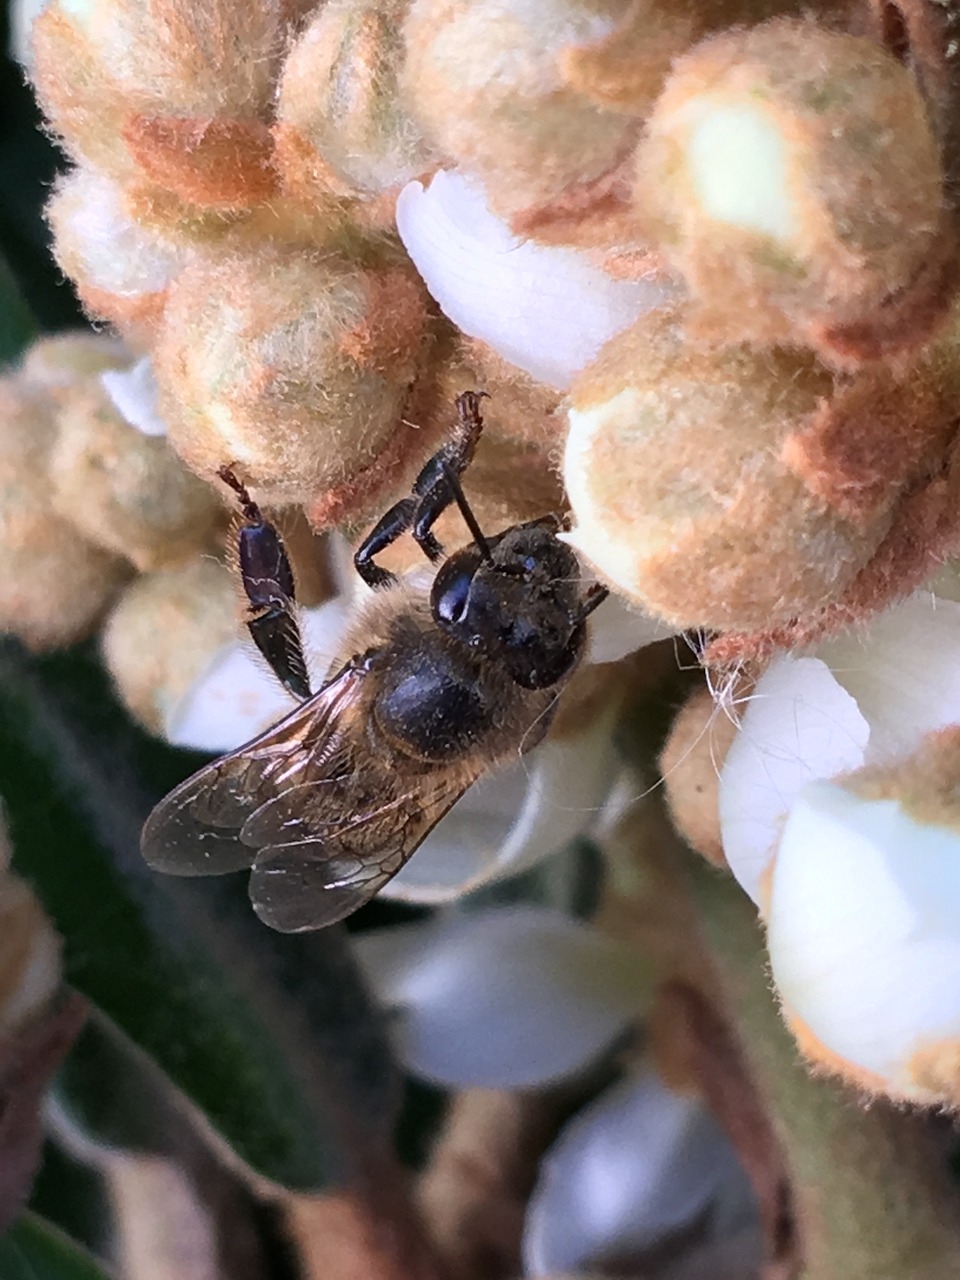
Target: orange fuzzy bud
163, 633
341, 123
792, 175
53, 583
737, 488
127, 492
121, 268
114, 77
292, 367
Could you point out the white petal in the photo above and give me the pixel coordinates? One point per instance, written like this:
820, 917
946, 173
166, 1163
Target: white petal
864, 928
799, 725
546, 310
508, 998
133, 393
903, 669
513, 818
235, 697
238, 696
629, 1172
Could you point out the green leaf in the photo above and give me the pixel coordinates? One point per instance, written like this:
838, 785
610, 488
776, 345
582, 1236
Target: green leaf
34, 1249
271, 1037
17, 325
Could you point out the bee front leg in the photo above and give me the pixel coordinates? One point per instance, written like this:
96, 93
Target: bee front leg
433, 491
437, 486
386, 531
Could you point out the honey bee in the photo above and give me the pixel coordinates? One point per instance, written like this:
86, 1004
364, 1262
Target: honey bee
442, 686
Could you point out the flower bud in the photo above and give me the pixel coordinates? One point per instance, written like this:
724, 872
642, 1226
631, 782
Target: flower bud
732, 488
790, 172
53, 583
166, 629
59, 361
177, 92
523, 95
690, 765
341, 123
120, 267
125, 491
293, 368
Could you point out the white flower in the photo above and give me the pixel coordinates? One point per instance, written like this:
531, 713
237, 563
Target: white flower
858, 875
546, 310
237, 696
507, 998
514, 817
864, 938
633, 1171
864, 698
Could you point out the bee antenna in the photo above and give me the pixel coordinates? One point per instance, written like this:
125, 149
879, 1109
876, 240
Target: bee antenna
471, 520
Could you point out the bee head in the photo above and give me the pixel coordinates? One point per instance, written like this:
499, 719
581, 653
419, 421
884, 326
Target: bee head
520, 607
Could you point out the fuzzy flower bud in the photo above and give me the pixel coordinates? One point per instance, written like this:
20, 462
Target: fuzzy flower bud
700, 736
53, 583
530, 98
341, 125
166, 629
173, 91
120, 267
61, 360
292, 367
125, 491
730, 488
791, 173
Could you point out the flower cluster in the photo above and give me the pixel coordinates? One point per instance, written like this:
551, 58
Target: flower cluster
703, 258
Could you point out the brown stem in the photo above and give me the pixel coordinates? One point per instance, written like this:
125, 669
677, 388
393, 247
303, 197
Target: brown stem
347, 1237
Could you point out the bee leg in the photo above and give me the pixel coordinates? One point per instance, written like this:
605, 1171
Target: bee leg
268, 582
386, 531
595, 596
438, 484
276, 634
434, 489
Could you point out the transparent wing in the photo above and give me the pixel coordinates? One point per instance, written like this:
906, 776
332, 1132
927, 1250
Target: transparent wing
330, 860
195, 830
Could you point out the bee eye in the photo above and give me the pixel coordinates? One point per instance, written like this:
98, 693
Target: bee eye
452, 593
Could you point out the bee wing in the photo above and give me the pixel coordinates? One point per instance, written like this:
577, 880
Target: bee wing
322, 865
195, 830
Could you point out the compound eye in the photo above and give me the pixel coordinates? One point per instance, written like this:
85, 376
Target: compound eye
451, 588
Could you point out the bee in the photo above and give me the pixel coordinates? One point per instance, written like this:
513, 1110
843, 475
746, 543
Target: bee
442, 685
